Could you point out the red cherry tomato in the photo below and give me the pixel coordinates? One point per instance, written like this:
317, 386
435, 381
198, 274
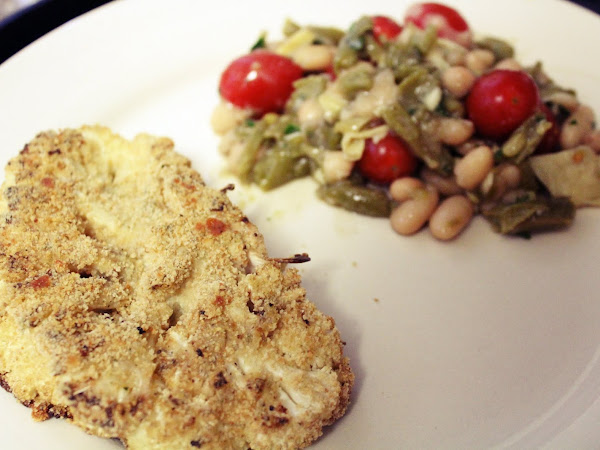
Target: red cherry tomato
385, 29
331, 72
500, 101
449, 23
550, 141
386, 160
261, 81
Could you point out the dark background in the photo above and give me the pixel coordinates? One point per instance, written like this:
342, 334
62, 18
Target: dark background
24, 27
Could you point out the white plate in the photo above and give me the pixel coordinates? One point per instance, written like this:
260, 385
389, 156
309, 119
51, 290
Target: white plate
483, 342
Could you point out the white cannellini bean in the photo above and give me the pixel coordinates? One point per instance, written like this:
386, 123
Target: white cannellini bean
451, 217
564, 99
444, 185
504, 178
455, 56
465, 148
313, 57
479, 60
593, 140
508, 64
311, 114
577, 127
472, 169
403, 188
335, 166
410, 216
510, 176
452, 131
458, 80
226, 117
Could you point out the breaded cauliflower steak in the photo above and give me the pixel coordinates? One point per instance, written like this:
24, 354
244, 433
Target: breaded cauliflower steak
141, 305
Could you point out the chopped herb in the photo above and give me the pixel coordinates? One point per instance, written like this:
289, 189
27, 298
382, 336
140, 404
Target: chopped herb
291, 128
260, 43
498, 156
523, 198
573, 122
250, 123
357, 43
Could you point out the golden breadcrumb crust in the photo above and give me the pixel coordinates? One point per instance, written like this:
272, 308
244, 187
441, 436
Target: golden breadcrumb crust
142, 305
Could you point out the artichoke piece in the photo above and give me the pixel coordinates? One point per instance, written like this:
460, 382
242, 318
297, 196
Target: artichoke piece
304, 88
501, 49
540, 214
573, 173
356, 198
324, 136
525, 139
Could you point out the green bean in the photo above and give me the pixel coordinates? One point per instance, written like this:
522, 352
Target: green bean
525, 139
501, 49
402, 124
376, 53
290, 27
419, 133
359, 199
402, 59
425, 40
280, 165
541, 214
352, 81
327, 35
546, 85
252, 136
352, 44
415, 86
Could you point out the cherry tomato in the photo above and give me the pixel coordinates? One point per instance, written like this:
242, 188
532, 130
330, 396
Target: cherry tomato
500, 101
386, 160
385, 29
261, 81
550, 141
449, 23
331, 72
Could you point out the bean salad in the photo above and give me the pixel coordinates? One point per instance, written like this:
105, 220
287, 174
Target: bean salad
418, 120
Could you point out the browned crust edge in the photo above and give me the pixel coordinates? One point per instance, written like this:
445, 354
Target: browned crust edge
39, 411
